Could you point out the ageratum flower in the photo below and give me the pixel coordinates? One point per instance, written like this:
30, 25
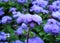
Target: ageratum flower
35, 40
45, 11
6, 19
56, 14
5, 0
17, 41
6, 42
0, 0
52, 8
36, 9
16, 14
58, 0
19, 31
1, 11
22, 1
58, 23
3, 36
56, 3
52, 27
20, 19
24, 18
55, 6
27, 18
32, 24
37, 19
41, 3
3, 42
13, 9
24, 26
51, 21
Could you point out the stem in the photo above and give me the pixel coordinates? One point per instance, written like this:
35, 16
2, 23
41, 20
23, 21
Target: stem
53, 39
28, 35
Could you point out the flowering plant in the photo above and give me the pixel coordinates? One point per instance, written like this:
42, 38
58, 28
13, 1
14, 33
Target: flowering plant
29, 21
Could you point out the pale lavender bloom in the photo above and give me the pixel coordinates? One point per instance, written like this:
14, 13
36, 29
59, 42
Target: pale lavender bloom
32, 24
58, 0
16, 14
56, 15
32, 18
19, 31
22, 1
52, 27
41, 3
3, 36
35, 40
45, 11
6, 19
52, 8
6, 42
17, 41
56, 3
55, 6
13, 9
37, 19
27, 18
51, 21
3, 42
1, 0
24, 18
5, 0
1, 11
58, 23
36, 9
20, 19
24, 26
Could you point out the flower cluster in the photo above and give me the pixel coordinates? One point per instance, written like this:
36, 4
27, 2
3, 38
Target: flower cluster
55, 6
22, 1
52, 27
17, 41
24, 19
3, 37
6, 19
1, 11
38, 6
55, 9
35, 40
4, 0
29, 19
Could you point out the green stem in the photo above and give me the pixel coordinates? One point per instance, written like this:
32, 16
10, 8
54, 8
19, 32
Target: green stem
53, 39
28, 35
